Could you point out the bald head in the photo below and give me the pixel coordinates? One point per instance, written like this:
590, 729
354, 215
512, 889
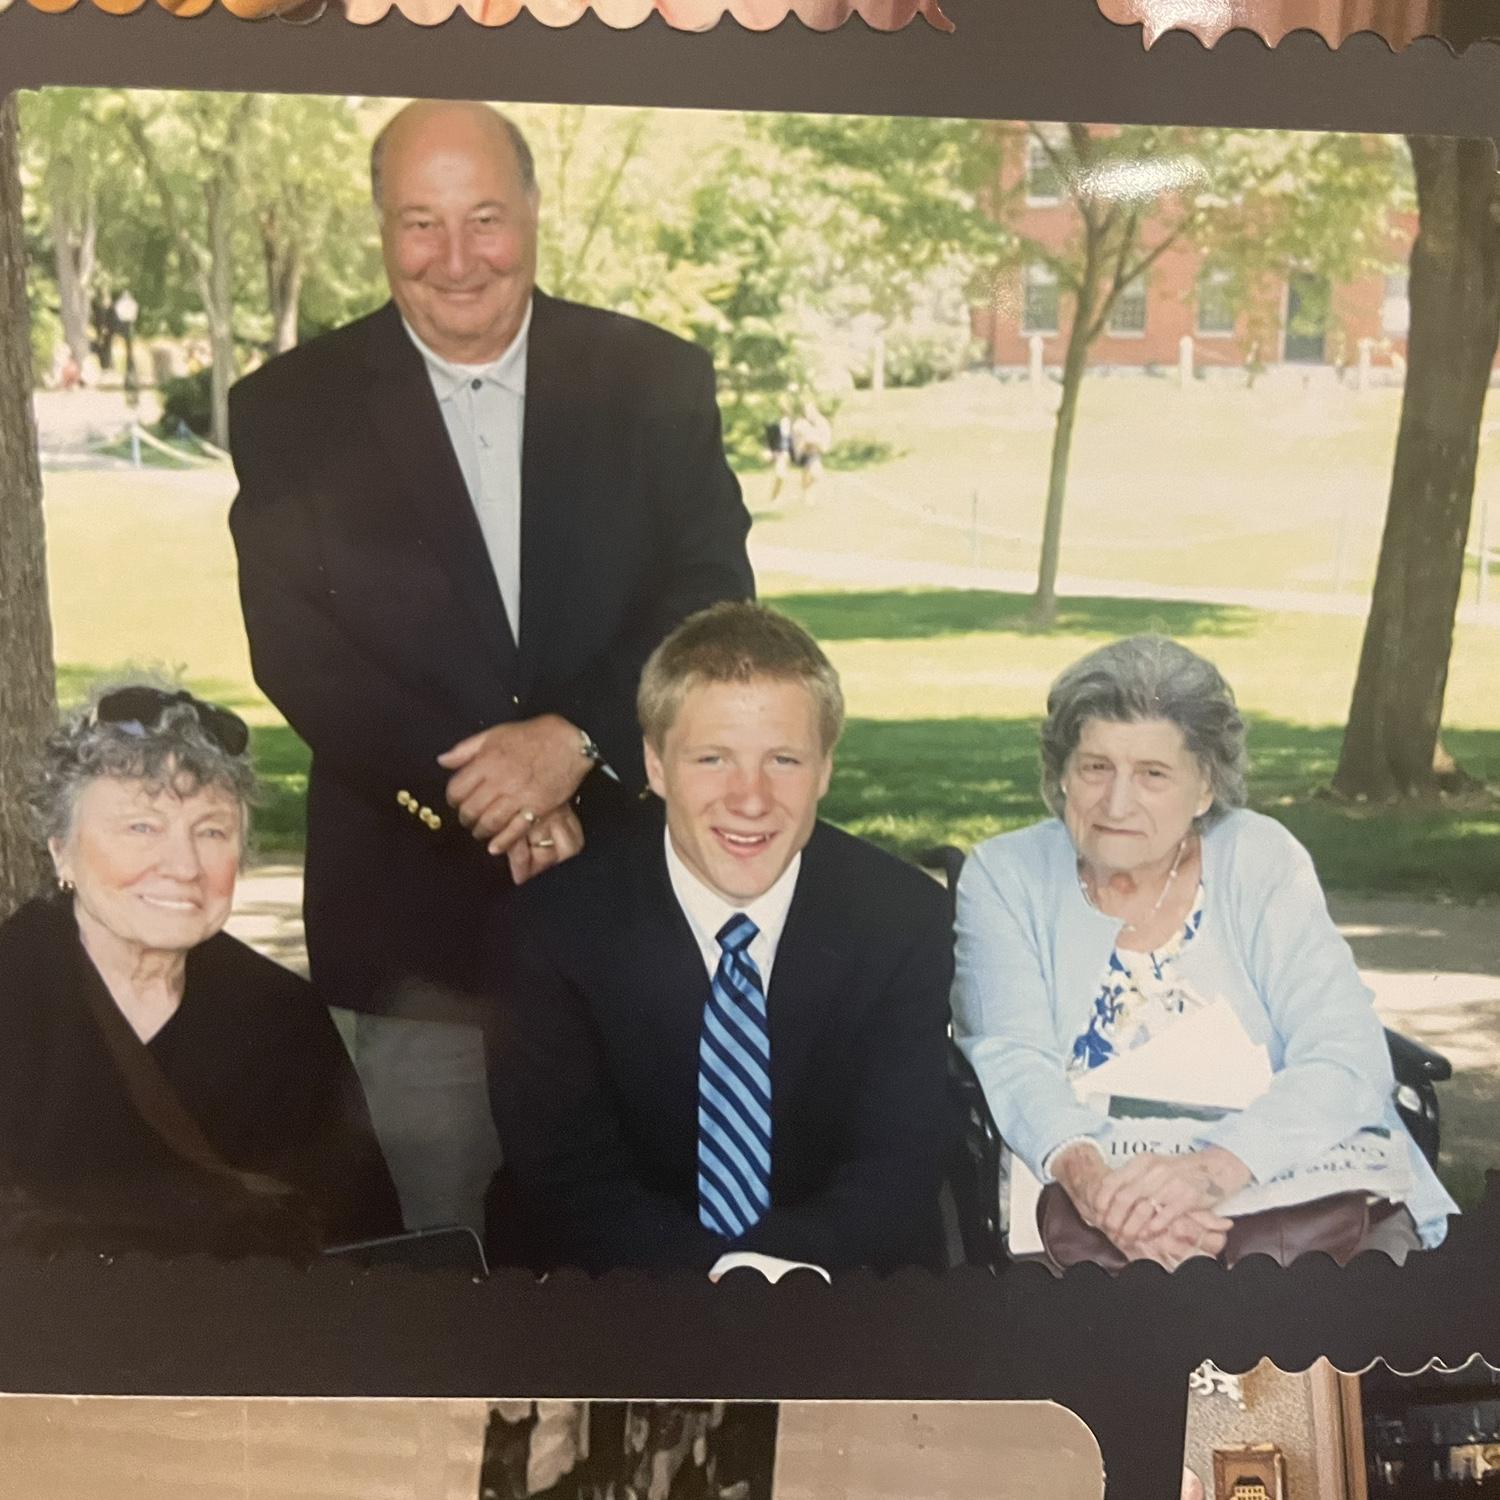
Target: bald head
456, 193
435, 119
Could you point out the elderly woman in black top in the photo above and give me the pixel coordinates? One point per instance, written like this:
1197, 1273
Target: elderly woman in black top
162, 1085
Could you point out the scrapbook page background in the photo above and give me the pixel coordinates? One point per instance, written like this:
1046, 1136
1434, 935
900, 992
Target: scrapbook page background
1239, 84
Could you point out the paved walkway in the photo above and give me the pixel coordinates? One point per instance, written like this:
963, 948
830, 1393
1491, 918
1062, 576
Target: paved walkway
858, 570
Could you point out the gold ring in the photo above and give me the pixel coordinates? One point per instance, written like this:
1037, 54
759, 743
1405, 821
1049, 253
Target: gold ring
544, 843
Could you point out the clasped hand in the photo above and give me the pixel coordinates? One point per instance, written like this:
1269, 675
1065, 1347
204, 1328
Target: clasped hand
512, 786
1160, 1208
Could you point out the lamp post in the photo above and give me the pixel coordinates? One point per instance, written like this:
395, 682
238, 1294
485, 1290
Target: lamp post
126, 311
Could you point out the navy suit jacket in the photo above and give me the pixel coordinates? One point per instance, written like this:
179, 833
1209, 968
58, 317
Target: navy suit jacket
594, 1067
376, 624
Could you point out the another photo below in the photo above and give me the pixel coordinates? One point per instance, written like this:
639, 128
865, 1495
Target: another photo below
708, 691
1323, 1435
131, 1448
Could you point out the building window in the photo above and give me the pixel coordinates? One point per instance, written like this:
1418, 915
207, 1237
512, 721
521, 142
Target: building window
1128, 316
1395, 308
1044, 182
1215, 304
1039, 299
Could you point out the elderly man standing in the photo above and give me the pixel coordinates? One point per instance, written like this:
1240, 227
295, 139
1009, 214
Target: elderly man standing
463, 523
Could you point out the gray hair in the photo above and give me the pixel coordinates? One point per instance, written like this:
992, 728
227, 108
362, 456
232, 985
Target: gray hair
175, 753
1149, 677
525, 161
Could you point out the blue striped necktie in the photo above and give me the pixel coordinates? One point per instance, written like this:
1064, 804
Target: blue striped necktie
734, 1090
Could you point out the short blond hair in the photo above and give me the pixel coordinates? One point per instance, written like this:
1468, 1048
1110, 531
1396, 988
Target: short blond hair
736, 642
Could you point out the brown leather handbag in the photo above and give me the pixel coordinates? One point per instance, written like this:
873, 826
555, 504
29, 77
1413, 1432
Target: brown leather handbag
1335, 1225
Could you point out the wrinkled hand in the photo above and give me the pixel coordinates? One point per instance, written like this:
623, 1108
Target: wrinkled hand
507, 776
554, 837
1197, 1233
1106, 1198
1146, 1196
1081, 1171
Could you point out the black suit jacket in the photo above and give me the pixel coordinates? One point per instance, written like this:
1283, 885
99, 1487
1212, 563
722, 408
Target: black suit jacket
594, 1066
376, 624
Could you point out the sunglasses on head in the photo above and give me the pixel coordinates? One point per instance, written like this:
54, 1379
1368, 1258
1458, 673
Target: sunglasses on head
139, 709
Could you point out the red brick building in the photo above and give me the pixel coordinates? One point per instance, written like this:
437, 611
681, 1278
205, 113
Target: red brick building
1296, 319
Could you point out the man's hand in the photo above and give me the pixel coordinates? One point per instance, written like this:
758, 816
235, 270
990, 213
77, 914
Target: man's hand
554, 837
506, 777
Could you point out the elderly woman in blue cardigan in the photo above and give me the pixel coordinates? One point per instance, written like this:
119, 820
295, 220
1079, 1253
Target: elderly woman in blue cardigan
1152, 893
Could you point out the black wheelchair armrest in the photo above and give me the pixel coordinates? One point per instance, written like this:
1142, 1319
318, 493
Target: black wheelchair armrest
947, 860
1414, 1064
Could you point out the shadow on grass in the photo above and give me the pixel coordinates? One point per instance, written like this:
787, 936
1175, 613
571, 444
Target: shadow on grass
910, 784
923, 614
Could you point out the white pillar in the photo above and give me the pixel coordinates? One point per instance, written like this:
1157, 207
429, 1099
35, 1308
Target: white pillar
1185, 360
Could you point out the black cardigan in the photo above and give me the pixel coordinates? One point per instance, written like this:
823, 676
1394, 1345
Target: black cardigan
252, 1055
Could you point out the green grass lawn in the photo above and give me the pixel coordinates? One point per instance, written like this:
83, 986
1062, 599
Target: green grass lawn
944, 685
1283, 487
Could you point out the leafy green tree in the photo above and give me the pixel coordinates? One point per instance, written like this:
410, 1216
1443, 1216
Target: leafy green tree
1266, 201
85, 184
918, 188
744, 274
193, 150
313, 229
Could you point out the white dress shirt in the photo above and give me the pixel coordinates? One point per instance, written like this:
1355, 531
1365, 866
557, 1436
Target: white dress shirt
484, 410
707, 911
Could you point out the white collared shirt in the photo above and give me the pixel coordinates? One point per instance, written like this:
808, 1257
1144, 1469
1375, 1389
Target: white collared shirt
484, 410
707, 911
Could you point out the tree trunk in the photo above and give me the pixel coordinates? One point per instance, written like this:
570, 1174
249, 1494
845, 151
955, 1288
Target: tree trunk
1075, 366
218, 302
1391, 747
27, 679
73, 248
286, 299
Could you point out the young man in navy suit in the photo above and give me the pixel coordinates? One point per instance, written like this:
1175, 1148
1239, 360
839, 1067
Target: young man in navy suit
728, 1032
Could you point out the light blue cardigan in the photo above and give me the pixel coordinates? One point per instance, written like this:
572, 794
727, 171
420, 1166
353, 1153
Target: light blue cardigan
1031, 952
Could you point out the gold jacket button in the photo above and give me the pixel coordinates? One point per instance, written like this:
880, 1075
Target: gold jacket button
405, 799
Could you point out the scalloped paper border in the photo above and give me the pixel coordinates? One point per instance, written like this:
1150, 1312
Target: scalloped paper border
1398, 22
681, 15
